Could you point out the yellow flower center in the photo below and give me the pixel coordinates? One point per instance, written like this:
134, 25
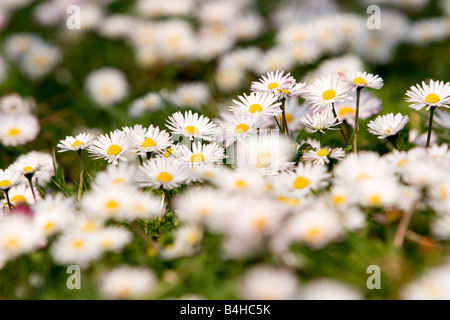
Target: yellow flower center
300, 183
112, 205
344, 111
39, 60
288, 116
359, 81
106, 90
168, 152
193, 237
362, 176
88, 226
432, 98
197, 157
113, 150
255, 108
260, 224
118, 181
148, 142
27, 169
374, 200
13, 132
106, 243
288, 201
76, 144
273, 85
191, 130
322, 152
5, 184
387, 131
338, 199
329, 94
12, 243
264, 159
18, 198
313, 234
442, 192
240, 184
241, 128
402, 162
49, 227
77, 244
164, 177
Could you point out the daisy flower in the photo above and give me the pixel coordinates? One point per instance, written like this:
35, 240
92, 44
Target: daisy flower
127, 282
264, 282
18, 129
322, 156
387, 125
76, 248
191, 125
112, 147
147, 140
234, 127
261, 103
79, 142
162, 172
151, 102
320, 121
361, 80
142, 206
113, 238
122, 174
39, 60
436, 94
111, 203
434, 284
18, 235
325, 91
315, 226
9, 178
368, 106
198, 205
275, 83
329, 289
195, 95
107, 86
268, 153
19, 194
304, 178
202, 154
15, 104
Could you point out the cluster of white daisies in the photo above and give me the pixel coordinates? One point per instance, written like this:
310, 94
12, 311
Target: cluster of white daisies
183, 31
243, 176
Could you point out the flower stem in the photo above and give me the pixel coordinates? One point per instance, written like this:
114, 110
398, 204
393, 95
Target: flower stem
80, 185
7, 199
30, 182
340, 125
430, 126
403, 227
169, 203
355, 135
283, 116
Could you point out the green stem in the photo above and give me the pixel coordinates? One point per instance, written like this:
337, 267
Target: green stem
278, 124
7, 199
430, 126
283, 116
169, 204
320, 139
80, 185
30, 182
355, 132
340, 125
